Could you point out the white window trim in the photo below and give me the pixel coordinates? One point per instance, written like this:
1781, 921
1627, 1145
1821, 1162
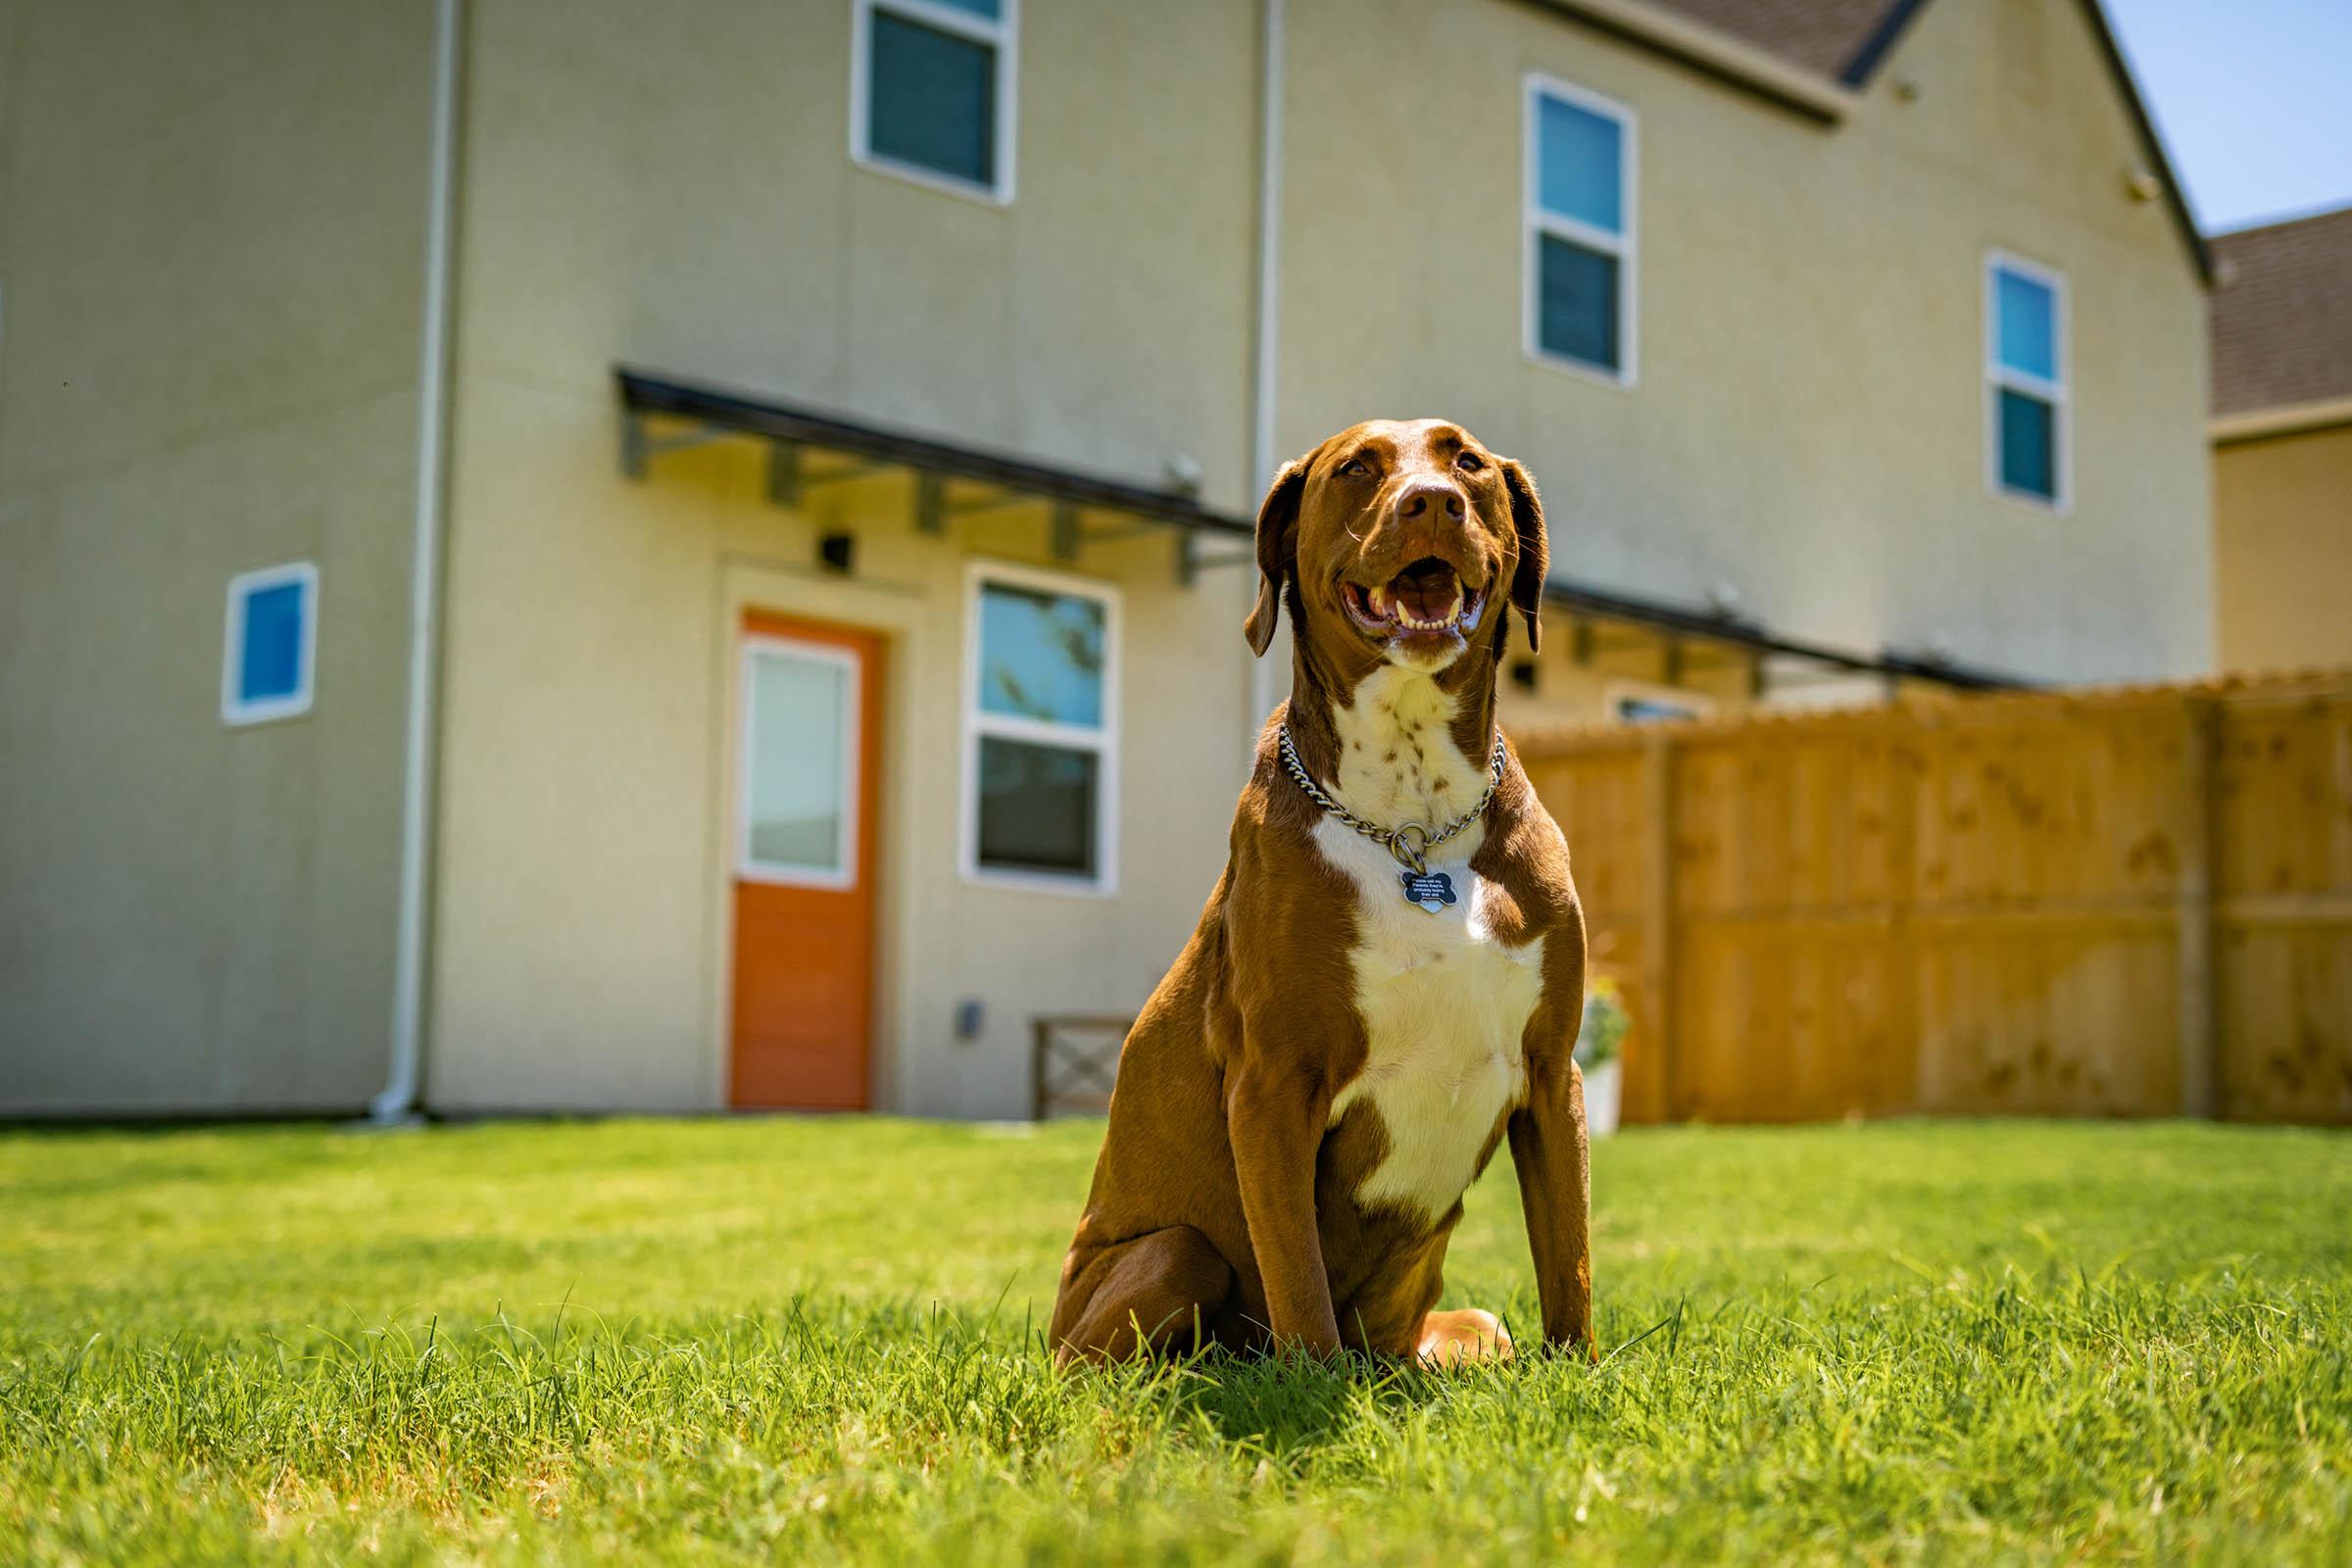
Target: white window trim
1998, 376
1535, 223
1002, 34
1103, 742
748, 868
235, 709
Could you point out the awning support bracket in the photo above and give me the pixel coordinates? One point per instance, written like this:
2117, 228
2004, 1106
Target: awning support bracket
933, 510
791, 476
639, 446
1191, 561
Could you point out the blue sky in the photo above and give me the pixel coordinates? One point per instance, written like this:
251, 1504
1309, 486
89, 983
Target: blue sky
2254, 98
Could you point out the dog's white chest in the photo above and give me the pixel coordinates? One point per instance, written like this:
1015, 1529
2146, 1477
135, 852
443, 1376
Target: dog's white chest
1444, 1006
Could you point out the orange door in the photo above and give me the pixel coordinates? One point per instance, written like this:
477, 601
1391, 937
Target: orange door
808, 742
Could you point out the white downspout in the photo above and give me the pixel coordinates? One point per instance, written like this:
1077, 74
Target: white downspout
397, 1104
1262, 457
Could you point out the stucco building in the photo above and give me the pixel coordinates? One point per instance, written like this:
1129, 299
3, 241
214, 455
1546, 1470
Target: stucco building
2282, 444
551, 559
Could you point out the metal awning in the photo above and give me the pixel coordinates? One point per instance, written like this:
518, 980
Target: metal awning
860, 447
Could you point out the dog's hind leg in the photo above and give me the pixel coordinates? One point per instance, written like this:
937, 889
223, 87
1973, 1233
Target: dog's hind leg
1467, 1334
1153, 1292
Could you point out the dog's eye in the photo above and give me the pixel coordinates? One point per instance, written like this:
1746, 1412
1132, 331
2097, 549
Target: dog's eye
1355, 469
1469, 461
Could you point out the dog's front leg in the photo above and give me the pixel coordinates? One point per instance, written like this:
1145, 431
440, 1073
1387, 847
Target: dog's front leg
1554, 1160
1275, 1120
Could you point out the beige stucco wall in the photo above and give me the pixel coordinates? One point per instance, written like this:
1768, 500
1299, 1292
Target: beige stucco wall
682, 198
1808, 422
211, 235
210, 246
2283, 542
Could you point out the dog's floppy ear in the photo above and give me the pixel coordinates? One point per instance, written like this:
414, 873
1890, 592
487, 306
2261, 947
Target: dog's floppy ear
1534, 550
1277, 553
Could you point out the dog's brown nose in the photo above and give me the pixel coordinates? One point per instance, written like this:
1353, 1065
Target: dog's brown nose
1427, 499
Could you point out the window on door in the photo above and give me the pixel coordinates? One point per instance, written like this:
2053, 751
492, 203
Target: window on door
1039, 774
2025, 378
799, 822
1579, 221
931, 92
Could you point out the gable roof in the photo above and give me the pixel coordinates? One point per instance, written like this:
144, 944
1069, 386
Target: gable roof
2281, 317
1846, 41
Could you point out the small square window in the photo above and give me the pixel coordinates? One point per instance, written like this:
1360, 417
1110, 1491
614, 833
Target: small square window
272, 642
1579, 221
2024, 379
930, 96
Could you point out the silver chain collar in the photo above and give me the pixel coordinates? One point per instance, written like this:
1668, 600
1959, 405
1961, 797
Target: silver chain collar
1411, 851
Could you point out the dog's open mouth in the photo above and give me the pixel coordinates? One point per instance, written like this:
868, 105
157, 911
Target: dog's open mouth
1426, 600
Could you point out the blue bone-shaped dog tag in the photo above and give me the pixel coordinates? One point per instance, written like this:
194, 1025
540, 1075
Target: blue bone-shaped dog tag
1431, 890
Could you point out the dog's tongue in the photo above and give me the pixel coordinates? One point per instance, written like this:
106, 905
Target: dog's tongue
1427, 590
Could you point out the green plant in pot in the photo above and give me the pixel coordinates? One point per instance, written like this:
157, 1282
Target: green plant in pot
1600, 1048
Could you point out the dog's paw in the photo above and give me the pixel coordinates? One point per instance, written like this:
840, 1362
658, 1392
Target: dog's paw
1450, 1339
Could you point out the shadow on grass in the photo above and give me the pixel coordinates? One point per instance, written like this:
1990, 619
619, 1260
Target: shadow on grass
1286, 1405
1291, 1406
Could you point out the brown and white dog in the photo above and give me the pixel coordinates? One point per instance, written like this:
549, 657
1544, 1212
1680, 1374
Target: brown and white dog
1328, 1066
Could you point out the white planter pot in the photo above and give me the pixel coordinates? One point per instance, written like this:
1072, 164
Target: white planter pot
1600, 1098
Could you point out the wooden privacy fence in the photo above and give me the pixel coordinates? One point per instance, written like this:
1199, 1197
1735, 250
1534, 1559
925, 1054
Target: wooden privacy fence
2133, 903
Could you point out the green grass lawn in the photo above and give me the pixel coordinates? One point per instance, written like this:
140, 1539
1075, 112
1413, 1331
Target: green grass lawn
792, 1341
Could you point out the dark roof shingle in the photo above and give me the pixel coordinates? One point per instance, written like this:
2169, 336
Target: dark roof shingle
2282, 317
1823, 37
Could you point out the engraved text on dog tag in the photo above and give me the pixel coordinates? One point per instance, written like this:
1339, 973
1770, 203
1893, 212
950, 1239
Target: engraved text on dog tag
1431, 890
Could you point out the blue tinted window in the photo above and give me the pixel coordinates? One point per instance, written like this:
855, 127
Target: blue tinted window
1651, 711
2029, 445
1041, 655
932, 101
1579, 164
2028, 325
270, 667
978, 8
1576, 303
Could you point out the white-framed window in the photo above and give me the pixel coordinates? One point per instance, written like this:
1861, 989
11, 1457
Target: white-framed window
798, 822
1635, 702
270, 651
2028, 453
932, 92
1041, 730
1579, 215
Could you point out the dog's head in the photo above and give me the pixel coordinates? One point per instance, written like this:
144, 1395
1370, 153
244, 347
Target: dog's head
1394, 539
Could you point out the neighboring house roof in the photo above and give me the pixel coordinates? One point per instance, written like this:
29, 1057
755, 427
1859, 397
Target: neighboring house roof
1842, 44
2282, 317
